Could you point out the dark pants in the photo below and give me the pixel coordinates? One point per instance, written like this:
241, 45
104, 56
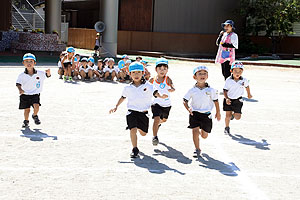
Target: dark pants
226, 69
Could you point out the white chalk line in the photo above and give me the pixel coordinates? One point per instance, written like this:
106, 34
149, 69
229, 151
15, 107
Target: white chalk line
246, 184
122, 170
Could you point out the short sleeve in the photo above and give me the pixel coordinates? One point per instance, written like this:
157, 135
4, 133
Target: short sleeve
151, 88
188, 95
20, 79
214, 94
246, 83
235, 40
125, 92
226, 86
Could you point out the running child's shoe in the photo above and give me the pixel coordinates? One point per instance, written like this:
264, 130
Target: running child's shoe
65, 78
25, 124
60, 77
155, 141
227, 130
197, 153
135, 152
36, 119
70, 78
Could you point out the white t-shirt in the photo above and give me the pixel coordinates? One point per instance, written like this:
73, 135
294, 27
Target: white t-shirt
32, 84
139, 98
234, 39
202, 99
107, 69
59, 64
235, 89
162, 89
86, 70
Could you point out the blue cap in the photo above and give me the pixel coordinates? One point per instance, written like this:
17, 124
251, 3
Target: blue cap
199, 68
143, 61
121, 64
84, 59
161, 61
75, 59
71, 50
230, 22
124, 57
91, 60
136, 66
237, 65
28, 56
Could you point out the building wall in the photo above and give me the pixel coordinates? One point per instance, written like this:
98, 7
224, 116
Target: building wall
5, 15
135, 15
193, 16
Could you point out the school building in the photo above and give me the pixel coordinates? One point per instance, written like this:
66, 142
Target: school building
185, 27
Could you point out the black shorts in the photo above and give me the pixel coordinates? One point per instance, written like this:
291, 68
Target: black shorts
138, 120
162, 112
201, 120
235, 106
67, 64
28, 100
96, 47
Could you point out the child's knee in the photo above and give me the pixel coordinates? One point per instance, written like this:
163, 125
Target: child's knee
163, 120
142, 133
237, 116
204, 134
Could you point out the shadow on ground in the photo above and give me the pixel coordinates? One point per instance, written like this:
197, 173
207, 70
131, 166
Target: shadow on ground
36, 134
210, 163
249, 100
263, 145
173, 154
151, 164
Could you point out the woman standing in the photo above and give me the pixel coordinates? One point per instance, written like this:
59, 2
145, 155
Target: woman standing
227, 42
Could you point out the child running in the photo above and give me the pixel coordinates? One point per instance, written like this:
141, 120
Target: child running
139, 94
204, 98
30, 85
233, 92
161, 107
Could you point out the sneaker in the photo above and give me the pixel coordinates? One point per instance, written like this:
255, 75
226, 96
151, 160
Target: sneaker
60, 77
155, 140
25, 124
70, 78
65, 78
135, 152
36, 119
227, 130
197, 153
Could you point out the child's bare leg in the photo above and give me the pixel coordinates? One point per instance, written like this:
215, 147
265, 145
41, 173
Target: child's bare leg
228, 118
90, 74
106, 75
26, 113
69, 71
237, 116
82, 74
36, 108
204, 134
133, 137
163, 120
196, 132
113, 75
142, 132
155, 127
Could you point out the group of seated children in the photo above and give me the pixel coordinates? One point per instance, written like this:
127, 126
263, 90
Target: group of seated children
73, 66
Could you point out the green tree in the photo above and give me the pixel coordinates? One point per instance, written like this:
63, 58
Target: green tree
274, 17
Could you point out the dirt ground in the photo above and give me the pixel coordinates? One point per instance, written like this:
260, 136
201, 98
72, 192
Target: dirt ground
81, 152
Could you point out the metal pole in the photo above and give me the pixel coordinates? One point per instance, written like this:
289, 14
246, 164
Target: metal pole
109, 11
53, 16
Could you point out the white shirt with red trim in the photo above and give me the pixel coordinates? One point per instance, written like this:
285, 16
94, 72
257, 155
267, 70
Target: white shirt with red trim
162, 88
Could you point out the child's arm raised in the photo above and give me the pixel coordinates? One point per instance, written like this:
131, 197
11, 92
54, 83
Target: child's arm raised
157, 95
119, 103
170, 82
248, 92
218, 115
